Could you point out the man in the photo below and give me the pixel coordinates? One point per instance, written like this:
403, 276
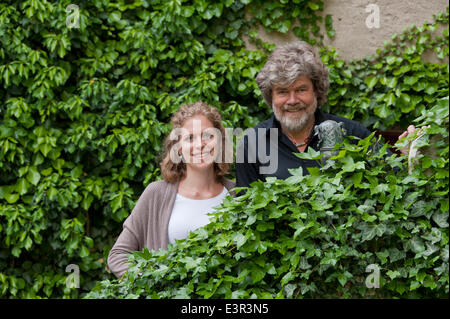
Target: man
294, 82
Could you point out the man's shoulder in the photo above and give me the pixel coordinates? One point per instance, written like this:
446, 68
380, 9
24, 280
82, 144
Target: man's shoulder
253, 132
265, 124
261, 127
338, 118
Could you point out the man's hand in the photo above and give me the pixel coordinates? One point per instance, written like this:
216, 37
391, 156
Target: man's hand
408, 131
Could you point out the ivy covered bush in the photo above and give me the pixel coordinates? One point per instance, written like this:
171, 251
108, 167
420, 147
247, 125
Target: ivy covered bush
84, 110
316, 236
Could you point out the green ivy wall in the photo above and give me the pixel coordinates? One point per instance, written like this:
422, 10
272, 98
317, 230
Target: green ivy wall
83, 111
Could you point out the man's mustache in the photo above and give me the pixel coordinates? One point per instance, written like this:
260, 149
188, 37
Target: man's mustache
294, 108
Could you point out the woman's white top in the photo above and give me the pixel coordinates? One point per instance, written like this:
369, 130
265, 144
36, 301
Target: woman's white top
189, 214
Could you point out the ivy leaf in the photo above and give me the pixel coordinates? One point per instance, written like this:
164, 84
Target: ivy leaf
191, 262
357, 178
22, 186
383, 256
371, 81
390, 99
350, 165
431, 88
344, 277
416, 244
240, 240
382, 110
393, 274
187, 11
441, 219
289, 276
87, 201
403, 102
395, 254
368, 232
33, 175
310, 154
45, 148
289, 290
11, 198
313, 6
257, 274
84, 252
410, 80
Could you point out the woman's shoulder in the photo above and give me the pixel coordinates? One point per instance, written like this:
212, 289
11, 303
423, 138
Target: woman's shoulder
154, 195
152, 201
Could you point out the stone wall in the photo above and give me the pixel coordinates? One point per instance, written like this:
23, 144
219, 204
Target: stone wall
354, 39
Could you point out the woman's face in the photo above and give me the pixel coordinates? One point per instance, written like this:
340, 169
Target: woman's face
199, 142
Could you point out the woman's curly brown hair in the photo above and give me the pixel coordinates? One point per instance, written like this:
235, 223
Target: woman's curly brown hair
173, 172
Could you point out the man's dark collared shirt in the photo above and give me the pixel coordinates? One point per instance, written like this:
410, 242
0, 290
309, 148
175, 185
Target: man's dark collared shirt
248, 172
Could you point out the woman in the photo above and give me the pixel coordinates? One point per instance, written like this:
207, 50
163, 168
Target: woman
193, 170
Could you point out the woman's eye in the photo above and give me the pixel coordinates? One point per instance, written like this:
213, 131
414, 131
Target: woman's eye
207, 136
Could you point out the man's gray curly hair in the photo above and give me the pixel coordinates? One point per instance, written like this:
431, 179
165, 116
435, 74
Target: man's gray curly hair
287, 63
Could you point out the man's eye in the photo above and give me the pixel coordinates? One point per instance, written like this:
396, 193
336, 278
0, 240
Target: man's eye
189, 138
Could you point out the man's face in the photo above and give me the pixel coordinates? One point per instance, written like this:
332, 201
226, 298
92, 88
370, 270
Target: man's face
294, 105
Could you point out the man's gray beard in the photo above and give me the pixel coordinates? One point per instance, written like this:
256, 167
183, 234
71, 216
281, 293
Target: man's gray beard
295, 125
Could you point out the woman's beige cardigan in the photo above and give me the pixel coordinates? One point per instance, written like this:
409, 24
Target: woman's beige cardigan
147, 225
